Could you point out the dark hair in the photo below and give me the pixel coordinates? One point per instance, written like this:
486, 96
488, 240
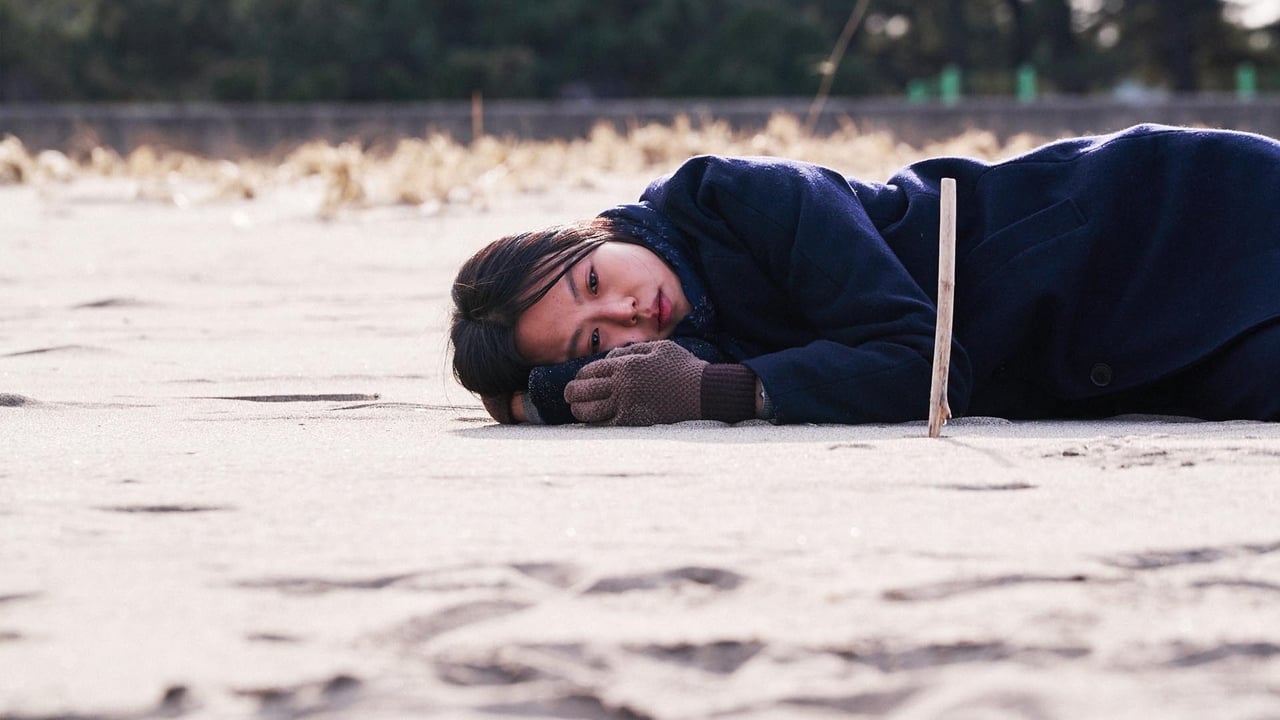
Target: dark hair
496, 285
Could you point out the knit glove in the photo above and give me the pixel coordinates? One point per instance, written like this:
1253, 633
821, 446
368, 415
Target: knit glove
659, 382
545, 396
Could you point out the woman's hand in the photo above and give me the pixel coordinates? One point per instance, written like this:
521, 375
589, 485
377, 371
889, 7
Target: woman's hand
506, 409
517, 407
647, 383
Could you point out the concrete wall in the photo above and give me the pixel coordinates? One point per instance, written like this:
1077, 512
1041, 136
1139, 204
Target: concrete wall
234, 130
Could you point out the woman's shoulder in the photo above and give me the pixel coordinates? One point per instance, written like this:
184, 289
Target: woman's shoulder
748, 164
752, 179
1146, 138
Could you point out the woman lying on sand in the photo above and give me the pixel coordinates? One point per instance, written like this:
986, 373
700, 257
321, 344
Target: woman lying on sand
1134, 272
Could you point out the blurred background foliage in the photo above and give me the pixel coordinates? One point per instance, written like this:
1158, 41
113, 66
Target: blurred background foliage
390, 50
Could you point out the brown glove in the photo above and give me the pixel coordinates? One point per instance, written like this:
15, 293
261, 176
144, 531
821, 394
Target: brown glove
659, 382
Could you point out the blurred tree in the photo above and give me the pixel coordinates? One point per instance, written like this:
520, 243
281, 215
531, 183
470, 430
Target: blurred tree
36, 42
151, 49
1019, 53
1177, 45
1062, 59
957, 32
253, 50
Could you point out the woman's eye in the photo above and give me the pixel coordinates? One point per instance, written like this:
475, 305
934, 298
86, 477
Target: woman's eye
593, 283
595, 341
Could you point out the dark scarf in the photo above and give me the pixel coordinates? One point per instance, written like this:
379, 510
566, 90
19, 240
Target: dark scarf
695, 333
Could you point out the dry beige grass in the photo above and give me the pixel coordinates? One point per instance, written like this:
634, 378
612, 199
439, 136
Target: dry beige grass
436, 171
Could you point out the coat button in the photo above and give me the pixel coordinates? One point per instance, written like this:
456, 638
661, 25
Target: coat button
1101, 374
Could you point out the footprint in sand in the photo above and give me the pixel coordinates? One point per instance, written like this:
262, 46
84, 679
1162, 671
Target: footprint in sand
994, 487
320, 586
951, 588
585, 705
872, 704
165, 509
56, 349
111, 302
1260, 650
303, 699
723, 657
331, 397
1156, 559
419, 630
559, 575
16, 400
887, 658
709, 577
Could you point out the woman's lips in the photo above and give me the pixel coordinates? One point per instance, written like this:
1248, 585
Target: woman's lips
664, 311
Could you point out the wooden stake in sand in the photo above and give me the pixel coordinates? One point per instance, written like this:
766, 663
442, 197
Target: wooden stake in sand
939, 410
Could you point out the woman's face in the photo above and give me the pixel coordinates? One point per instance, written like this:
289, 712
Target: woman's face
619, 293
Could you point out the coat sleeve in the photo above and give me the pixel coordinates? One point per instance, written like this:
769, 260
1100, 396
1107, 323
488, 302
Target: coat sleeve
790, 251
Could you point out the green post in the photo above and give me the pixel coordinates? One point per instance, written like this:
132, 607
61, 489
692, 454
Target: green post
950, 84
1026, 83
1246, 81
917, 91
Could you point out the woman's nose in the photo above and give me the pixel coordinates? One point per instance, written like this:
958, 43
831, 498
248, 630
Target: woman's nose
622, 311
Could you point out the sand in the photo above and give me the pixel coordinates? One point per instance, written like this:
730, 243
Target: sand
238, 481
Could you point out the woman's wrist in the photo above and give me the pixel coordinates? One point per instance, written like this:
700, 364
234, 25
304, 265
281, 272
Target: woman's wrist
764, 406
728, 393
517, 407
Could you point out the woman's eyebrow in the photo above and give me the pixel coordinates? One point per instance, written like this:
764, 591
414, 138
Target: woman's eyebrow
573, 286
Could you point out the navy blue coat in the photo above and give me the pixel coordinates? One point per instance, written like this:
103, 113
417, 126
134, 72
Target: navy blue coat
1086, 268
